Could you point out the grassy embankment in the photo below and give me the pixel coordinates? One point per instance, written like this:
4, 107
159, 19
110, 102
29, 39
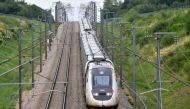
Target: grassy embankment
174, 58
8, 50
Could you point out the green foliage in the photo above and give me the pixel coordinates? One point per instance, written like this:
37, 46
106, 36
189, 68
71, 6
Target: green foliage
9, 94
187, 68
9, 8
161, 26
21, 9
144, 6
188, 24
166, 41
6, 0
179, 61
132, 15
175, 61
9, 21
108, 4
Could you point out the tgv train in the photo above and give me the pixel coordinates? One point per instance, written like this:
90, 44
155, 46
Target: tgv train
99, 78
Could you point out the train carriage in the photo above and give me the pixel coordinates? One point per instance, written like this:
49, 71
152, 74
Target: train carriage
100, 84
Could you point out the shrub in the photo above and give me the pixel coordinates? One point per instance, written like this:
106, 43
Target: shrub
162, 25
21, 9
133, 14
176, 62
145, 8
188, 24
187, 69
166, 41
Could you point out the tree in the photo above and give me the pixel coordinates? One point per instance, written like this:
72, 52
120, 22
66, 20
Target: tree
108, 4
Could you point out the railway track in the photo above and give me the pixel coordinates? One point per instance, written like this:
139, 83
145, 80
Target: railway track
58, 92
65, 67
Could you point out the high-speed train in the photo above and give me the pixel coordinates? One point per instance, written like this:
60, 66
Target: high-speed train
99, 78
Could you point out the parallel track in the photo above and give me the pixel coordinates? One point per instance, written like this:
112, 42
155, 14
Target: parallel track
55, 79
67, 74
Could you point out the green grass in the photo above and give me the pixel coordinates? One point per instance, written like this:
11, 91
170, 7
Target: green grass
9, 49
176, 62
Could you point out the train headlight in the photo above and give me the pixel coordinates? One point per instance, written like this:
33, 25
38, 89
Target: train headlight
95, 94
108, 94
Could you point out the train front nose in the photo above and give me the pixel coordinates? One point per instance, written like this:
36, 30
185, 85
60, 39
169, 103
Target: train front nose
102, 94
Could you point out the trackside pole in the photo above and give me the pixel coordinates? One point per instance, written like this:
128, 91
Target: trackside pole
112, 42
40, 45
121, 75
134, 65
32, 62
106, 49
20, 67
101, 28
158, 77
45, 36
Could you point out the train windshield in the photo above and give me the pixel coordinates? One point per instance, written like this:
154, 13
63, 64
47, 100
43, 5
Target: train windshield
101, 80
102, 77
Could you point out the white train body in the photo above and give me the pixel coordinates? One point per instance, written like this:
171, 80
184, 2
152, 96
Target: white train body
98, 71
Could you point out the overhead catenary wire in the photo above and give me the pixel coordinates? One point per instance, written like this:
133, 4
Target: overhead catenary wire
142, 103
24, 49
2, 74
141, 68
25, 83
125, 83
154, 64
20, 64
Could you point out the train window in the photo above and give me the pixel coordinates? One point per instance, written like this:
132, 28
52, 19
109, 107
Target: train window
101, 80
101, 76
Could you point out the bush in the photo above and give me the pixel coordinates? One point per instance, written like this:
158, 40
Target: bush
166, 41
176, 62
133, 14
160, 26
187, 69
187, 48
145, 8
188, 24
21, 9
9, 8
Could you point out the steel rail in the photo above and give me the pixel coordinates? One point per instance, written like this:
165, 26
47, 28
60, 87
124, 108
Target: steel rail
67, 73
56, 73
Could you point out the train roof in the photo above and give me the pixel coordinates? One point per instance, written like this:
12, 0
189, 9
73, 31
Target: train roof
86, 24
101, 64
91, 45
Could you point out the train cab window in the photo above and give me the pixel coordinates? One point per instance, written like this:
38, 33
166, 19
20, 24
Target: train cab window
102, 77
101, 80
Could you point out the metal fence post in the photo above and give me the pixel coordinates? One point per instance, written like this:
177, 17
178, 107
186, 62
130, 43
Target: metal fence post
95, 17
56, 14
101, 29
40, 45
120, 30
106, 49
32, 62
45, 36
20, 67
134, 65
112, 41
158, 77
